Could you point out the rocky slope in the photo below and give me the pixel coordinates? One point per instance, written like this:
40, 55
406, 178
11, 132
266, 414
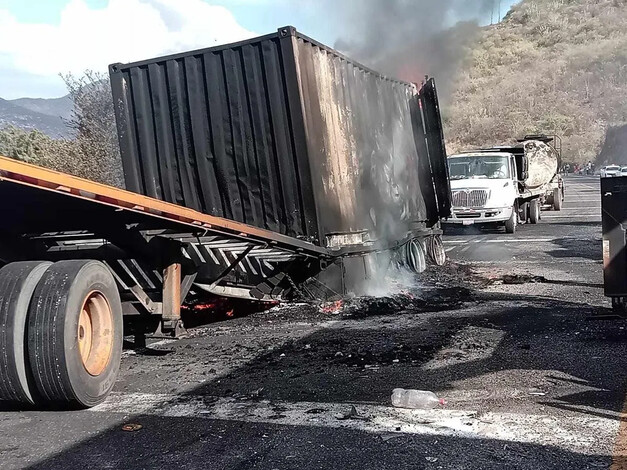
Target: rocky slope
554, 66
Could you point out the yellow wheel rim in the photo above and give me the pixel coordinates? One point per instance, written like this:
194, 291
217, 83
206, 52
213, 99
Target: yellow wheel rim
95, 333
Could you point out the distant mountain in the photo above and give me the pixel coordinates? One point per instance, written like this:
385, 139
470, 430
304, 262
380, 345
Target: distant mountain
58, 107
45, 115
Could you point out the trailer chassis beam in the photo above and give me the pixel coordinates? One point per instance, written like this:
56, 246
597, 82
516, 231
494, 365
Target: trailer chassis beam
234, 264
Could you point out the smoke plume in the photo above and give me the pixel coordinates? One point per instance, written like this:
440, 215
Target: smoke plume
409, 39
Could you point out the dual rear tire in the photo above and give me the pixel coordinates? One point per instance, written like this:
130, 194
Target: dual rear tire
60, 333
534, 211
512, 223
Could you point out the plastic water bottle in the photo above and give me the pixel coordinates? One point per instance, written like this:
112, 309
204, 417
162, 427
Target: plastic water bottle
415, 399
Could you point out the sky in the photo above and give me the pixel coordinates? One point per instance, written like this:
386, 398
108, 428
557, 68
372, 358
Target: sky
40, 39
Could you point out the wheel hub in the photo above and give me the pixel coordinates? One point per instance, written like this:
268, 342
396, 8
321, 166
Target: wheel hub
95, 333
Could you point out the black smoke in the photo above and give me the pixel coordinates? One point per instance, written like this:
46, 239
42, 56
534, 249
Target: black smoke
408, 39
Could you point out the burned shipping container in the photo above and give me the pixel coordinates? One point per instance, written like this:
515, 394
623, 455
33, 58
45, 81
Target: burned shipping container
283, 133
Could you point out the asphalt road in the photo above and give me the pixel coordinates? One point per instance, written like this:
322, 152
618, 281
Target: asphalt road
507, 333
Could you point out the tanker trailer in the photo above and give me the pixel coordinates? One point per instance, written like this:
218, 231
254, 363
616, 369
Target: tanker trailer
505, 185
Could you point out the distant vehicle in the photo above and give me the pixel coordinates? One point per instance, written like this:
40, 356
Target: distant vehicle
610, 170
623, 171
505, 185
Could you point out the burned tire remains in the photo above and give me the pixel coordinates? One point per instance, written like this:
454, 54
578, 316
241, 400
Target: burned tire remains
437, 254
75, 333
415, 258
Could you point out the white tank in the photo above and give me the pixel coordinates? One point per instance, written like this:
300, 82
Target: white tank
542, 161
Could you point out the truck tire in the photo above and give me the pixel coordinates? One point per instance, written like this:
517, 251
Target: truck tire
534, 211
17, 284
512, 222
557, 199
75, 333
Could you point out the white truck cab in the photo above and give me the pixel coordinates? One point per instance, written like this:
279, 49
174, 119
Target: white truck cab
505, 184
484, 188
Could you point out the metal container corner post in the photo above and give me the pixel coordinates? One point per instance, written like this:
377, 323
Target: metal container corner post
437, 147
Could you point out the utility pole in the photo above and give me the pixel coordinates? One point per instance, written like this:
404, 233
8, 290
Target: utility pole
499, 18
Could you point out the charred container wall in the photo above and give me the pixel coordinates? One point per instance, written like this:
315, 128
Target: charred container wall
283, 133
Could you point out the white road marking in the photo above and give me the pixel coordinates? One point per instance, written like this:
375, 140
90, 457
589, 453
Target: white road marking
580, 433
511, 240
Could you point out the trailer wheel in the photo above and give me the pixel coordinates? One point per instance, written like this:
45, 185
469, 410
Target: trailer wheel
75, 333
17, 283
534, 211
415, 256
557, 199
436, 251
512, 222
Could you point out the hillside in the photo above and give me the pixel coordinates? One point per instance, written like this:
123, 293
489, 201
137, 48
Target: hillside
58, 107
45, 115
550, 66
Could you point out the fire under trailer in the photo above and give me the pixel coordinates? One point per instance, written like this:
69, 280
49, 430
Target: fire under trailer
266, 169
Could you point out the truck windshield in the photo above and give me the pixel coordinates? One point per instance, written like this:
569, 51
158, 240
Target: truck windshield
490, 167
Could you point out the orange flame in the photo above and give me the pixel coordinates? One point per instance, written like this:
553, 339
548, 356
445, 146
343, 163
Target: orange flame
332, 307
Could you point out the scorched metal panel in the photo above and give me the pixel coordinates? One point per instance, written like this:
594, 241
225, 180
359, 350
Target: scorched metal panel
365, 160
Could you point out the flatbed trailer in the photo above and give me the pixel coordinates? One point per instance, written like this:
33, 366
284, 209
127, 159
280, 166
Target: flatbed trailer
78, 256
143, 254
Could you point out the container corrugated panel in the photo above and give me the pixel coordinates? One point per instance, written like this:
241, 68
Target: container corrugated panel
282, 133
211, 130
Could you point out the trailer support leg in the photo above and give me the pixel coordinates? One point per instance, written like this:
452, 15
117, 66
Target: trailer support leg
172, 292
171, 307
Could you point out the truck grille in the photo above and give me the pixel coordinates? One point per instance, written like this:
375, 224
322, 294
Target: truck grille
470, 198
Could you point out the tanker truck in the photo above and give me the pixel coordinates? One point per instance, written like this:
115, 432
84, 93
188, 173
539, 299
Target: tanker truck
506, 185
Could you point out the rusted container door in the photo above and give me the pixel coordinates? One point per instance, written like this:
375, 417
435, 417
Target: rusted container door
431, 120
368, 148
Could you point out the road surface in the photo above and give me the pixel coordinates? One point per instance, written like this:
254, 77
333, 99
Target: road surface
506, 333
